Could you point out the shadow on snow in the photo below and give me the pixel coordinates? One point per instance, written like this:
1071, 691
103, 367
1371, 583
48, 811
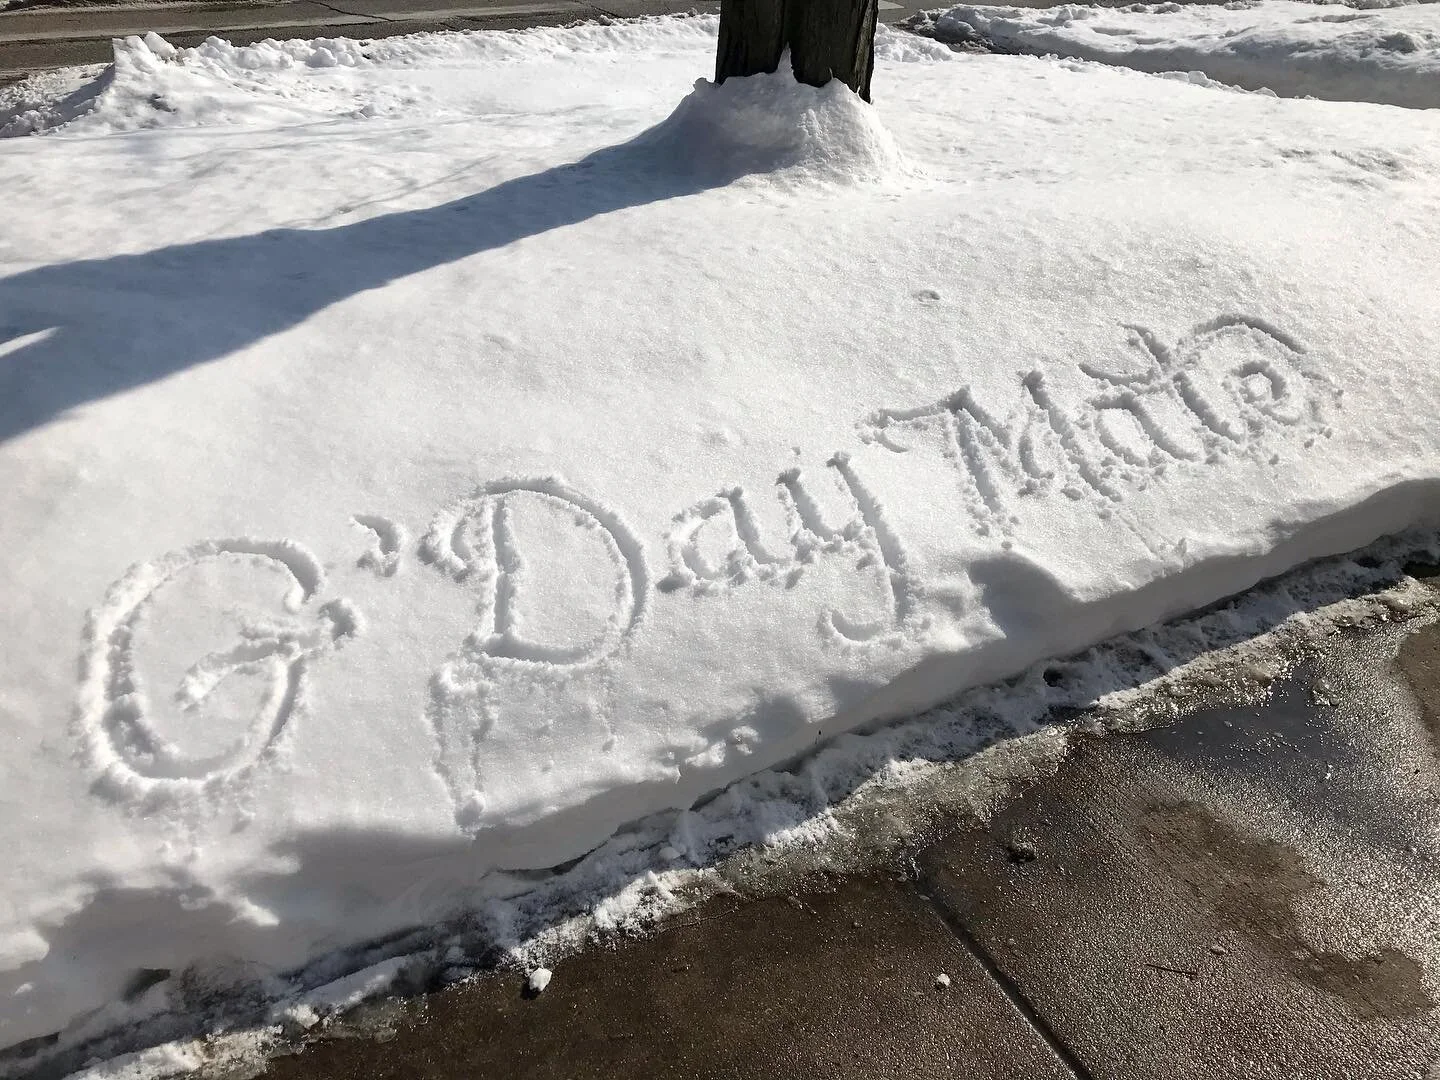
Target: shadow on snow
121, 322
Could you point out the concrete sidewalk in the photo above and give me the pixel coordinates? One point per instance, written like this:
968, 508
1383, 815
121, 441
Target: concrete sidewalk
1248, 891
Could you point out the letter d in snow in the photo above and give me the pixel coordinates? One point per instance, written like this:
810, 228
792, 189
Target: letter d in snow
562, 587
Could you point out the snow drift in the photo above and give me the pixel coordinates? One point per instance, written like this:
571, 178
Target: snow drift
415, 473
1386, 54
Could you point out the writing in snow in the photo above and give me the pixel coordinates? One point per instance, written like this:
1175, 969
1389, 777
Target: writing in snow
1234, 386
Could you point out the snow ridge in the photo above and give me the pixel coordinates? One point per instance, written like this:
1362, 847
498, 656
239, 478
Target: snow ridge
1389, 55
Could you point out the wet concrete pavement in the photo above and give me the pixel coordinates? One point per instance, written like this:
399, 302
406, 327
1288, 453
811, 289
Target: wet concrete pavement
1219, 898
1248, 891
839, 984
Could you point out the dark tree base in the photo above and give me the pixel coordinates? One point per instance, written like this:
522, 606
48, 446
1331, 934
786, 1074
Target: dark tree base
827, 39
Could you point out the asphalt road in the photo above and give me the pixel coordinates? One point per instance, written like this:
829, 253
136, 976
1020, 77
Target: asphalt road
34, 38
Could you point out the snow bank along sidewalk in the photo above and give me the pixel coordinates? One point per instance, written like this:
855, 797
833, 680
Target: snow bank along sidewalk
1387, 54
423, 457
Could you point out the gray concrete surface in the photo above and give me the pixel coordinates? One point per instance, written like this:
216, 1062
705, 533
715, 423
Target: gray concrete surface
1192, 910
1250, 891
835, 984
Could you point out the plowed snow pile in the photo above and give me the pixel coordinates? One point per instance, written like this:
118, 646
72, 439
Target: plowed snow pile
1386, 53
422, 458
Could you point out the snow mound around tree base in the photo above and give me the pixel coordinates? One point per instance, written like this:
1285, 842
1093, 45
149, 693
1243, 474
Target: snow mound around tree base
772, 124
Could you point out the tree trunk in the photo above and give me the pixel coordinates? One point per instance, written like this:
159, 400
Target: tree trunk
827, 39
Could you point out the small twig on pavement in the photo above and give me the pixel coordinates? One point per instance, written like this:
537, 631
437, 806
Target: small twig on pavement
1189, 974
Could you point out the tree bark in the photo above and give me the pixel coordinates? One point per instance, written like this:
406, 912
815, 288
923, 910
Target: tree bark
827, 39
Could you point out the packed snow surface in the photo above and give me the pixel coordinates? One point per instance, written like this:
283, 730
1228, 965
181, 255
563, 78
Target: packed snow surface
423, 457
1388, 54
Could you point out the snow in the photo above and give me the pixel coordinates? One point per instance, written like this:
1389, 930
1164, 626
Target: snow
49, 99
778, 128
441, 452
539, 980
346, 992
1385, 54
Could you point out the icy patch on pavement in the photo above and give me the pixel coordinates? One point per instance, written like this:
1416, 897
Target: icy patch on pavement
1387, 54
